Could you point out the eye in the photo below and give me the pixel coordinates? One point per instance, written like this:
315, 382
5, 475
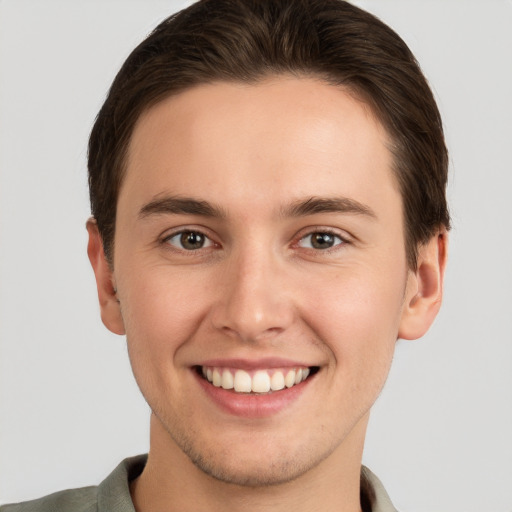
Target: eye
189, 240
320, 240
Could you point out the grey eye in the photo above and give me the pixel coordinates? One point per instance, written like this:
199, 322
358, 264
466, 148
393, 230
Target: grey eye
189, 240
320, 240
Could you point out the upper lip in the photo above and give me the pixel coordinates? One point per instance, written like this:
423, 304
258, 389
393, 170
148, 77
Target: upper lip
255, 364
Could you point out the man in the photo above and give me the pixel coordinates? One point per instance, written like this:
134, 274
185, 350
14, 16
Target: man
268, 194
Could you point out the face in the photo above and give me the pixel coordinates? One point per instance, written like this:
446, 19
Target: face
261, 274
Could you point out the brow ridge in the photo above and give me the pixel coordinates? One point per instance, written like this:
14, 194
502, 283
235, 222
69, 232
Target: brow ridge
300, 208
180, 205
315, 205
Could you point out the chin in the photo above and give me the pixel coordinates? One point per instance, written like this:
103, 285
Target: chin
260, 461
248, 472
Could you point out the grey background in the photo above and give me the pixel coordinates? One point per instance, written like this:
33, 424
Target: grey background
440, 437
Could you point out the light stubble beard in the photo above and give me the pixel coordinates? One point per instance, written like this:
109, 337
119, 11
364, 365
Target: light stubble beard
279, 471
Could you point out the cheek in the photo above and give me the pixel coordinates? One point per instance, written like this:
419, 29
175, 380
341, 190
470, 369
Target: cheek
161, 311
357, 317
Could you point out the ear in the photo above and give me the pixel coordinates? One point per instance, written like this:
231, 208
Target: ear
109, 305
424, 291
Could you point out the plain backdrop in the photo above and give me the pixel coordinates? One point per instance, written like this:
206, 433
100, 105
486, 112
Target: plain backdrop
440, 437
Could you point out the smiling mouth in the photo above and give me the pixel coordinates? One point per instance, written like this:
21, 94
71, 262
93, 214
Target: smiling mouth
263, 381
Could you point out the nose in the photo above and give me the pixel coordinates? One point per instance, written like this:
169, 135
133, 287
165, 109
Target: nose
255, 298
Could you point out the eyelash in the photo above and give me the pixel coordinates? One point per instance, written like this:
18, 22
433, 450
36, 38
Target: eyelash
168, 238
341, 240
323, 231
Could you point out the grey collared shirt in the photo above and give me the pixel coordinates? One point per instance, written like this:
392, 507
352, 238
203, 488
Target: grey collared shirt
113, 494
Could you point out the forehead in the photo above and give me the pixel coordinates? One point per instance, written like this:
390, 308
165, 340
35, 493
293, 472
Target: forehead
279, 139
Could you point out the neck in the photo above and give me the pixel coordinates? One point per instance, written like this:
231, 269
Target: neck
171, 482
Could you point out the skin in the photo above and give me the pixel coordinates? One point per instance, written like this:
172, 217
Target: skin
258, 288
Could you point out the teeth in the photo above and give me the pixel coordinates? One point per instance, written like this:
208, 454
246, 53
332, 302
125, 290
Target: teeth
261, 381
227, 380
277, 381
289, 380
242, 382
217, 378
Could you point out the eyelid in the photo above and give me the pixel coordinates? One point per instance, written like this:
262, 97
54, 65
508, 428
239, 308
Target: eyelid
342, 235
169, 234
310, 230
345, 237
207, 241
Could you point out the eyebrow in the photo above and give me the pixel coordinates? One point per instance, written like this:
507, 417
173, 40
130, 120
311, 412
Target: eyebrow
314, 205
300, 208
181, 205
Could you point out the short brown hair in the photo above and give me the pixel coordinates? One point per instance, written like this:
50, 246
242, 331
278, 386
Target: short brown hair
248, 40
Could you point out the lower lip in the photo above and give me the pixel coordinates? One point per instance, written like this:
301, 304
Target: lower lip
250, 405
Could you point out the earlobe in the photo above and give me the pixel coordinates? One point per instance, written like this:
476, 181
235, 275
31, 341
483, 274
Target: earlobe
109, 304
424, 291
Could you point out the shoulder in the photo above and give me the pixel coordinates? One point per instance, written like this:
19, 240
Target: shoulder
374, 497
84, 499
112, 495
